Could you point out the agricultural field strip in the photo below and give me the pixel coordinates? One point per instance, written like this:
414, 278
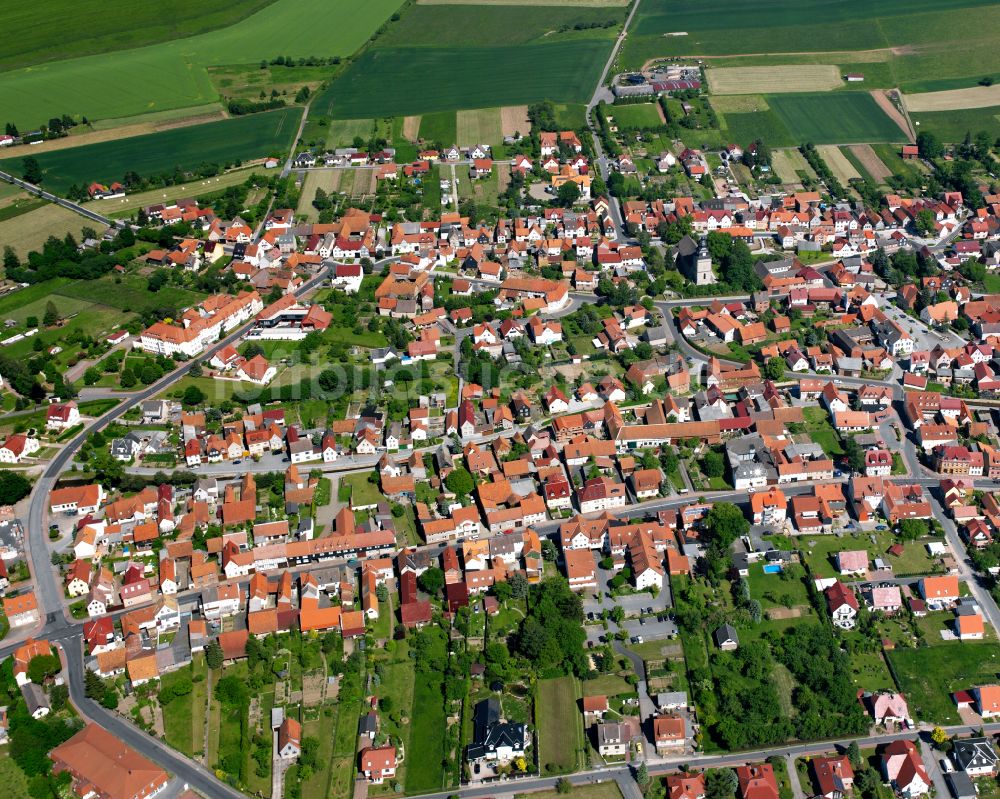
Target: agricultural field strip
955, 99
871, 162
842, 169
772, 79
240, 138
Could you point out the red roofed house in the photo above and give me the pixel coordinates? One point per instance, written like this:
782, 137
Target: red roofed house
378, 764
757, 782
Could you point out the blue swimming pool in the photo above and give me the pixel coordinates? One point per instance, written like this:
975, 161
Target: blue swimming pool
772, 568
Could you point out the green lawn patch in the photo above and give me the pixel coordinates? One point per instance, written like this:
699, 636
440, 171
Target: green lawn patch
776, 590
424, 771
869, 671
637, 115
928, 676
606, 685
177, 715
363, 493
557, 718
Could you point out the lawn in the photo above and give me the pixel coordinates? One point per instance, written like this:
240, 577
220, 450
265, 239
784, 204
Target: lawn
774, 590
395, 81
870, 672
636, 115
424, 769
173, 74
835, 118
821, 431
228, 141
178, 715
606, 685
363, 493
557, 719
927, 676
818, 552
743, 128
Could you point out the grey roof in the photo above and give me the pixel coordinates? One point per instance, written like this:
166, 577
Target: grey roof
34, 697
961, 785
672, 699
726, 633
974, 753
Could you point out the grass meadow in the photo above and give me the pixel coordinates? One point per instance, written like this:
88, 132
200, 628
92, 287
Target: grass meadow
237, 139
951, 126
639, 115
173, 74
416, 80
558, 723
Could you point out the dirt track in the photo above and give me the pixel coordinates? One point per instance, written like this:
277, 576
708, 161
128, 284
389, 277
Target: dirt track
882, 98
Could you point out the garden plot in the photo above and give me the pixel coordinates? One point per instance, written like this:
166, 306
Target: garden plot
842, 169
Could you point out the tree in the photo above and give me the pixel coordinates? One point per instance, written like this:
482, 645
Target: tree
929, 145
912, 529
91, 376
568, 193
939, 736
213, 655
460, 482
726, 522
563, 785
925, 223
774, 369
720, 783
854, 755
14, 487
31, 170
51, 314
518, 585
642, 775
712, 464
431, 581
41, 667
128, 378
93, 685
193, 397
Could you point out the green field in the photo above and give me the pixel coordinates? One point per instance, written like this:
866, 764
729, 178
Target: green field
440, 126
395, 81
951, 126
787, 26
173, 74
237, 139
638, 115
743, 128
834, 118
928, 675
558, 720
35, 34
485, 25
